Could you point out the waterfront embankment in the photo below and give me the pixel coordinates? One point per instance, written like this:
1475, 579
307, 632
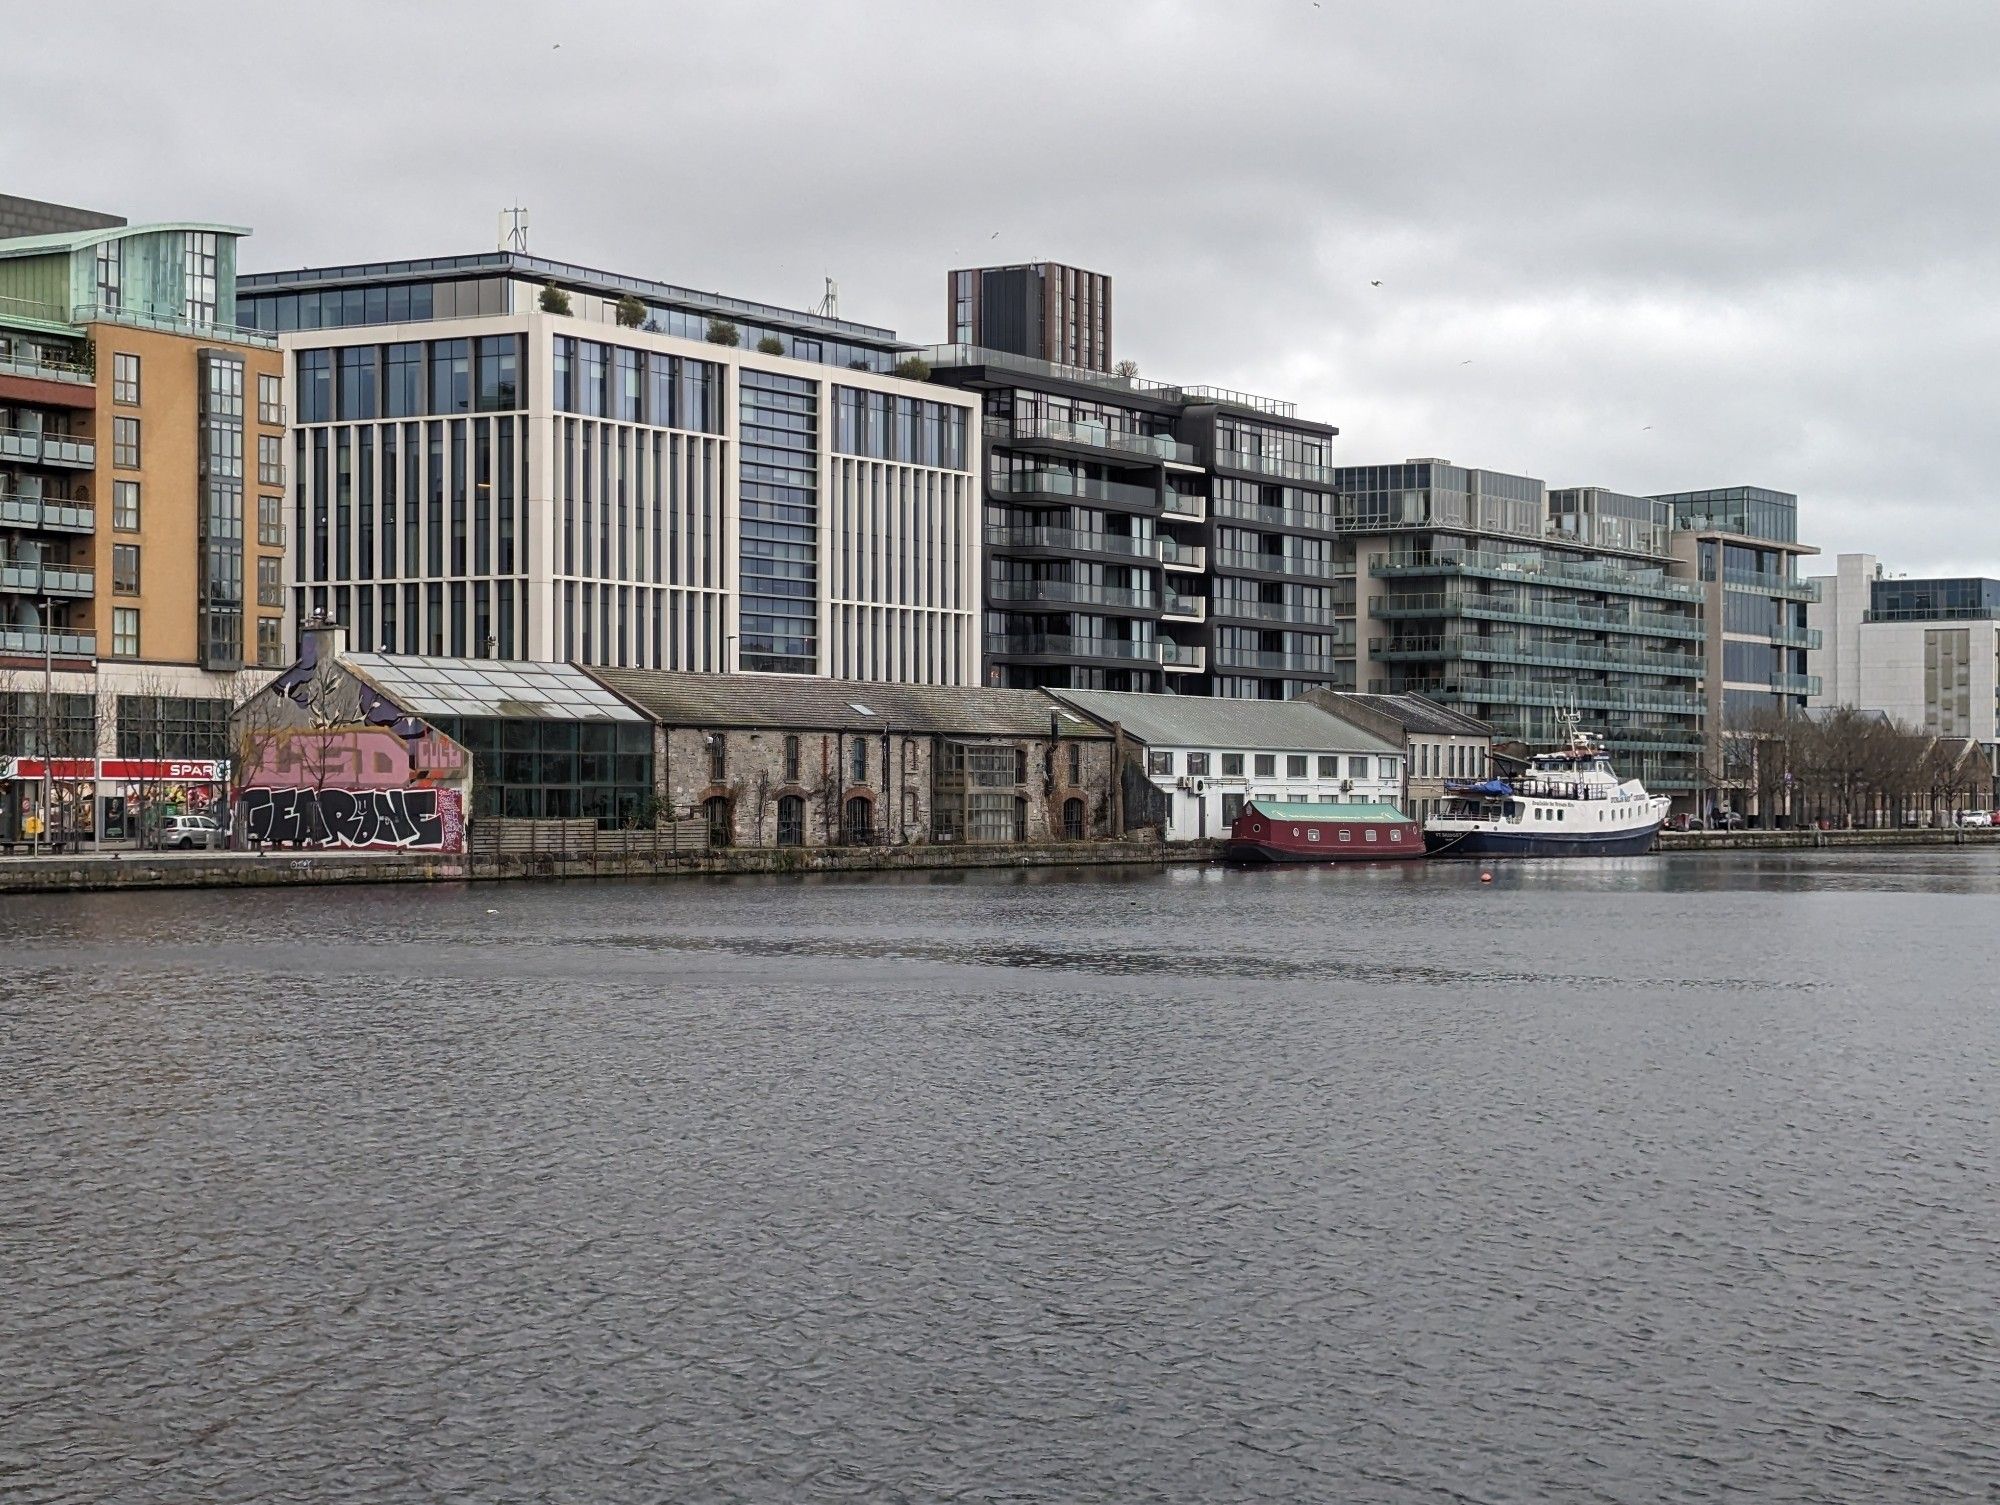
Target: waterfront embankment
274, 869
87, 872
1810, 840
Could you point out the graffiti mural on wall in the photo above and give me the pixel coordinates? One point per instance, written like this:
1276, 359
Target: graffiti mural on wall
429, 820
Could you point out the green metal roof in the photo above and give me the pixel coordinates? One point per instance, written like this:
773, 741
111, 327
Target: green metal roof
76, 240
1302, 810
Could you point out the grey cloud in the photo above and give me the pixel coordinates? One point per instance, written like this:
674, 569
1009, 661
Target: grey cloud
1768, 231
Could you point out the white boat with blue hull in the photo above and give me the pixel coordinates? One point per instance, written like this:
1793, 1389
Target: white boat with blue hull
1566, 804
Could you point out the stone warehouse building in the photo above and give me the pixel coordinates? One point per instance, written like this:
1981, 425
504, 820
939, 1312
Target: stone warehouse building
777, 761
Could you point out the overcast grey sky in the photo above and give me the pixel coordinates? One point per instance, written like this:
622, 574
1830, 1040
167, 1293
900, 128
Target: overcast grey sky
1650, 246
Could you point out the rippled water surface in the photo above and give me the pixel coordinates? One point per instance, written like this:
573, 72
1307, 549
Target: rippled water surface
1664, 1180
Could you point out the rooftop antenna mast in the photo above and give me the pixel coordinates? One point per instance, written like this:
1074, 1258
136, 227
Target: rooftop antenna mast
828, 306
514, 229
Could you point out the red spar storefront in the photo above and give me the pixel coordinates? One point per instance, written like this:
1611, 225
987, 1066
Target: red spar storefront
89, 795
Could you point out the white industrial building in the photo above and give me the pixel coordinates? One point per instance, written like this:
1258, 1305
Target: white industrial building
1209, 756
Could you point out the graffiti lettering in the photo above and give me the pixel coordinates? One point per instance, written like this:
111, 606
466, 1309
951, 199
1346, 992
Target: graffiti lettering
404, 819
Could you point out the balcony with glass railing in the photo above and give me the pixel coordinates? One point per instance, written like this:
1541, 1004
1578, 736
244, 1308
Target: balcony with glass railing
1782, 586
1183, 556
1490, 609
1190, 508
1502, 650
1277, 663
33, 365
37, 447
1277, 564
1072, 593
1808, 638
1291, 518
1072, 541
1473, 690
1058, 645
1059, 483
1796, 684
1268, 465
46, 514
133, 318
1279, 611
1088, 435
1490, 564
1181, 608
34, 642
1177, 658
46, 580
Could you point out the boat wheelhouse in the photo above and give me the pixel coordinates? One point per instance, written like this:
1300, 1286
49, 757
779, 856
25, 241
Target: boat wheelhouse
1289, 831
1568, 803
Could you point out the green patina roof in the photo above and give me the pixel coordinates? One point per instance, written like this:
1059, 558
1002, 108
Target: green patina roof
1303, 810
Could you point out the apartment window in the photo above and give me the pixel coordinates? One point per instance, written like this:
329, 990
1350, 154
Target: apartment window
199, 258
857, 761
718, 758
791, 766
271, 459
270, 580
1329, 766
1357, 768
125, 443
1075, 763
271, 641
1160, 763
1295, 765
1197, 765
125, 506
1267, 765
1232, 765
124, 632
271, 400
1232, 806
1390, 768
271, 520
125, 569
125, 379
110, 273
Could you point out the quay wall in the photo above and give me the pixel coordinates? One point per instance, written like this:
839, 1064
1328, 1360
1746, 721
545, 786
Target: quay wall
275, 869
1809, 840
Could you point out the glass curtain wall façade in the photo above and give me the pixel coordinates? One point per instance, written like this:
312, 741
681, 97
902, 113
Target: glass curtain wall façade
778, 553
221, 548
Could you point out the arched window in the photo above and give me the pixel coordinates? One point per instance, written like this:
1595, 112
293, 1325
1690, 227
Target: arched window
791, 821
721, 822
1072, 820
860, 822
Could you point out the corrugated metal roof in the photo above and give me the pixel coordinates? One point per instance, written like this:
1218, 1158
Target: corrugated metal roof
488, 687
1205, 721
811, 704
1298, 810
1419, 713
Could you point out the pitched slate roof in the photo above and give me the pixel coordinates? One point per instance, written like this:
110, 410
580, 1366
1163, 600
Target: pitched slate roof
812, 704
1418, 713
1205, 721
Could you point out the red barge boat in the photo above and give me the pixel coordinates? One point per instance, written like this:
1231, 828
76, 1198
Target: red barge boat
1281, 831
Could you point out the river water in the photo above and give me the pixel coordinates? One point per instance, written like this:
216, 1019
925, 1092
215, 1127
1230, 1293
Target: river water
1672, 1179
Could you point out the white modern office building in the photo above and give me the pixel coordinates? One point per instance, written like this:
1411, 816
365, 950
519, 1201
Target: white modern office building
614, 474
1924, 652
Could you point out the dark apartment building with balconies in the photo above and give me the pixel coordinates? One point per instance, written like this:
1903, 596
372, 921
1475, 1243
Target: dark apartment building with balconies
1143, 536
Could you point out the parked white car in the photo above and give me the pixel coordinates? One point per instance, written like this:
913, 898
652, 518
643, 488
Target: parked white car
1975, 818
190, 831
